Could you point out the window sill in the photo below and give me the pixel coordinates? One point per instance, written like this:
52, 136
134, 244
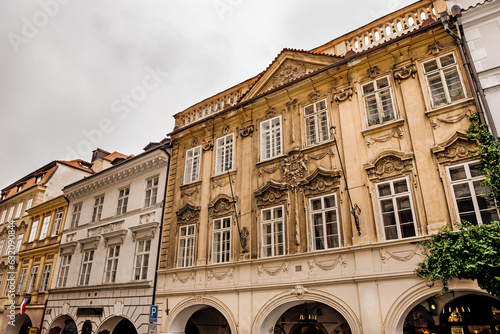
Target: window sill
270, 160
381, 127
449, 107
223, 175
315, 147
191, 184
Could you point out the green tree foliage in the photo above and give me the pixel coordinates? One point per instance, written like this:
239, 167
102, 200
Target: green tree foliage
471, 252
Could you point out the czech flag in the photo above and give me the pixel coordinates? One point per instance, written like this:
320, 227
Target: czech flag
25, 302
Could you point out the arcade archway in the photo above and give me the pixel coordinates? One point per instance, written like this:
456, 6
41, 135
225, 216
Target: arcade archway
22, 323
117, 325
63, 325
207, 320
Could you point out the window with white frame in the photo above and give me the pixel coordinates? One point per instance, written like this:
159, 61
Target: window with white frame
185, 255
88, 257
32, 279
28, 206
324, 222
273, 232
6, 286
4, 213
22, 278
2, 243
97, 210
1, 281
56, 227
270, 138
192, 167
142, 259
224, 159
316, 123
111, 264
151, 191
34, 229
11, 212
470, 196
221, 240
63, 271
75, 218
122, 201
443, 80
18, 243
45, 227
378, 103
19, 208
396, 209
45, 277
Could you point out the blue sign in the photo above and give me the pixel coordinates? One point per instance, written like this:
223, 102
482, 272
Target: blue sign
153, 313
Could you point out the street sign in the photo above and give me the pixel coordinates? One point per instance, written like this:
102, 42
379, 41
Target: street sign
153, 313
152, 328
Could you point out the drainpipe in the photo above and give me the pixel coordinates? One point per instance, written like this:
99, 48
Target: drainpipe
470, 70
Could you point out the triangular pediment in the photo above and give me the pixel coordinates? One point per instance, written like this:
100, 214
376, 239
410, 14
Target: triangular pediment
289, 65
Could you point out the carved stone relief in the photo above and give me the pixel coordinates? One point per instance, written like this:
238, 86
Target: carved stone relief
294, 167
288, 72
343, 94
222, 204
299, 291
396, 132
405, 72
189, 193
434, 48
456, 148
273, 271
373, 72
450, 119
207, 144
247, 130
104, 229
189, 212
389, 163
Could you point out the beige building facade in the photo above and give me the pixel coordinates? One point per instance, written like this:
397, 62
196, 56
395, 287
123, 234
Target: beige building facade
298, 198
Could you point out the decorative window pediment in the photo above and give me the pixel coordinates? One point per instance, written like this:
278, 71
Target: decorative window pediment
89, 243
144, 231
456, 148
188, 213
114, 237
272, 192
389, 164
67, 248
320, 180
221, 205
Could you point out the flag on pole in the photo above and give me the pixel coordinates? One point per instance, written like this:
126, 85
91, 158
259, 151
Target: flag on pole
25, 302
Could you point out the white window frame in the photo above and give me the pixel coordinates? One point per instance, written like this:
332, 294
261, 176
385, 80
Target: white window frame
18, 243
316, 132
378, 93
19, 209
34, 229
28, 206
64, 270
56, 227
444, 84
11, 212
97, 208
123, 194
151, 191
111, 264
224, 154
32, 279
87, 259
192, 165
275, 234
44, 283
394, 197
186, 246
272, 137
2, 243
469, 180
22, 278
322, 232
45, 227
4, 214
75, 218
142, 257
221, 240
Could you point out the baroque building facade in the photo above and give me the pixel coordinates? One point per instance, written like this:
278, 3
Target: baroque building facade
105, 269
297, 199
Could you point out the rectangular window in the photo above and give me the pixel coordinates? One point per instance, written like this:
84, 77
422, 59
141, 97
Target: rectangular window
22, 278
142, 259
324, 222
185, 256
32, 279
45, 227
122, 201
270, 138
6, 286
224, 159
192, 168
88, 257
34, 228
396, 209
2, 242
63, 271
97, 211
470, 196
151, 191
221, 240
45, 277
273, 234
378, 101
57, 223
4, 213
77, 210
18, 243
28, 206
11, 212
112, 264
316, 123
18, 211
443, 80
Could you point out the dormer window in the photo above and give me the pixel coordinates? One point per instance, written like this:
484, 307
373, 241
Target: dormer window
38, 179
20, 187
3, 196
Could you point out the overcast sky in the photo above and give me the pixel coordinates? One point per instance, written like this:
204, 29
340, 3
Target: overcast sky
76, 75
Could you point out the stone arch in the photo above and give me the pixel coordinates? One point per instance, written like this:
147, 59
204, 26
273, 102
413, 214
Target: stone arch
21, 324
60, 322
111, 322
395, 317
272, 310
180, 314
